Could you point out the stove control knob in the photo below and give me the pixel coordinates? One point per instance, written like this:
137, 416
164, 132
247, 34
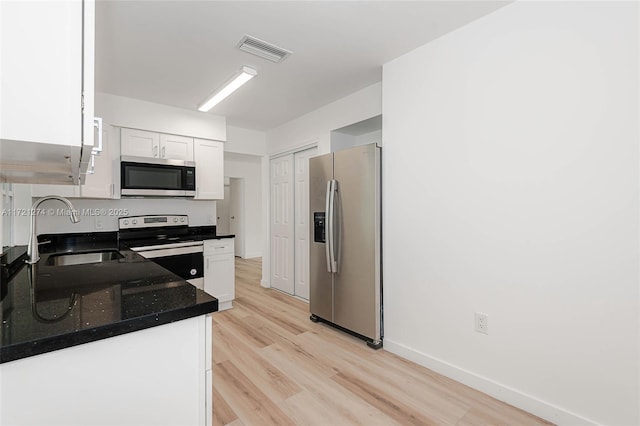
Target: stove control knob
134, 221
182, 219
126, 222
175, 219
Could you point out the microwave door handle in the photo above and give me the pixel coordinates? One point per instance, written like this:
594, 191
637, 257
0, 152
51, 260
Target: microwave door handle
327, 227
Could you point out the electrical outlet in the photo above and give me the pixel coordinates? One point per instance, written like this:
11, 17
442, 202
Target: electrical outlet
482, 323
99, 223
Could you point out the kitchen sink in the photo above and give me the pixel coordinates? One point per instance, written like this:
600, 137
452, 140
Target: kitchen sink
66, 259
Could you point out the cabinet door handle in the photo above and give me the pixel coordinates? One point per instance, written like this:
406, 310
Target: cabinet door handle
164, 152
155, 151
97, 124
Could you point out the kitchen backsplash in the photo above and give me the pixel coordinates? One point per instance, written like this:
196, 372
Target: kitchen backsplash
102, 215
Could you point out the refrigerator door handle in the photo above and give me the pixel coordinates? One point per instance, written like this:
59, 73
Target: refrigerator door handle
333, 227
328, 227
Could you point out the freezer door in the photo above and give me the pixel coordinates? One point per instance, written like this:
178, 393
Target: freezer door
320, 279
357, 283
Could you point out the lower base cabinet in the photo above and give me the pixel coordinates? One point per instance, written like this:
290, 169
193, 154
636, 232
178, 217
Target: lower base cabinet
158, 376
219, 271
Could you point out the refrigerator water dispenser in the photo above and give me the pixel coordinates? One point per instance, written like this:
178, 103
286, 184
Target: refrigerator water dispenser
318, 227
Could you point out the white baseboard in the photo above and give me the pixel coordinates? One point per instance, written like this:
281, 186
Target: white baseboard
504, 393
265, 284
252, 255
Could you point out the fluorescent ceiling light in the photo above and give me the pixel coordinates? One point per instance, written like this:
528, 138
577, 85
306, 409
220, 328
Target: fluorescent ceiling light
234, 83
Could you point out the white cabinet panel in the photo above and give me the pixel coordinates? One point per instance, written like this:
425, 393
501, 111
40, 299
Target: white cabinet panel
150, 377
139, 143
176, 147
209, 158
47, 86
219, 271
41, 71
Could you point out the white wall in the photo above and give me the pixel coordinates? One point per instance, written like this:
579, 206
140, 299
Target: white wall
316, 126
511, 188
21, 200
134, 113
249, 168
245, 141
314, 129
340, 141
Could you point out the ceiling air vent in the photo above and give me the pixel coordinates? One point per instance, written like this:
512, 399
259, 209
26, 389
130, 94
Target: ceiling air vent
263, 49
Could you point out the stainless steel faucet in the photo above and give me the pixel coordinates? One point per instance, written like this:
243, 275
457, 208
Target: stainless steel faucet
32, 250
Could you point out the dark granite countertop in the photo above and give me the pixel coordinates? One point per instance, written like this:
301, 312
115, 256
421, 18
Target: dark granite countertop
206, 233
192, 233
220, 237
46, 307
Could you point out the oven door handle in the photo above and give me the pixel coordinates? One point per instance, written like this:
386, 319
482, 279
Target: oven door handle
167, 246
152, 254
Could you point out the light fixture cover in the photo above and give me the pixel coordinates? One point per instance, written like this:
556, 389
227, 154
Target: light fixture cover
238, 79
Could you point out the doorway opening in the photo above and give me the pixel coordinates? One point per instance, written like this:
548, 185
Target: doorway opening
230, 213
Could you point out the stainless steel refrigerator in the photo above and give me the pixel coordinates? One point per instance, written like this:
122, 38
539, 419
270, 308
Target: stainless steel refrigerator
345, 241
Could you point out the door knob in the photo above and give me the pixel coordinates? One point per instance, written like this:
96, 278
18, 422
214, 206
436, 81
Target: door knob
233, 217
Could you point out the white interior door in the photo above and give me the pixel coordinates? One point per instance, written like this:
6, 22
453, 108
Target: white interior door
302, 220
236, 212
282, 223
222, 209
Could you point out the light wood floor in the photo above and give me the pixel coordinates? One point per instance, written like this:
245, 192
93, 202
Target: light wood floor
273, 366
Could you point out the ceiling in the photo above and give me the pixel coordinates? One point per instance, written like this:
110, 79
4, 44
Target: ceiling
178, 52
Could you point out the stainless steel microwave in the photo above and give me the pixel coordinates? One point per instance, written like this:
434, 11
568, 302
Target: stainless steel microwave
155, 177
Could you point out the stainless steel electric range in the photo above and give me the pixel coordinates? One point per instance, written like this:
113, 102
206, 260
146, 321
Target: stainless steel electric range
166, 240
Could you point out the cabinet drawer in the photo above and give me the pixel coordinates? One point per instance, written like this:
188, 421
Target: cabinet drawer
218, 246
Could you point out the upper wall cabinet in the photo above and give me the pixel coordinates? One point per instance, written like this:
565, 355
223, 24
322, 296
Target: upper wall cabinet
176, 147
47, 86
140, 143
99, 177
209, 157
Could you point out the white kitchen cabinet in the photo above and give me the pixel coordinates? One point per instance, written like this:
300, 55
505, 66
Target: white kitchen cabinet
173, 147
92, 376
209, 158
219, 271
142, 143
139, 143
100, 182
47, 86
